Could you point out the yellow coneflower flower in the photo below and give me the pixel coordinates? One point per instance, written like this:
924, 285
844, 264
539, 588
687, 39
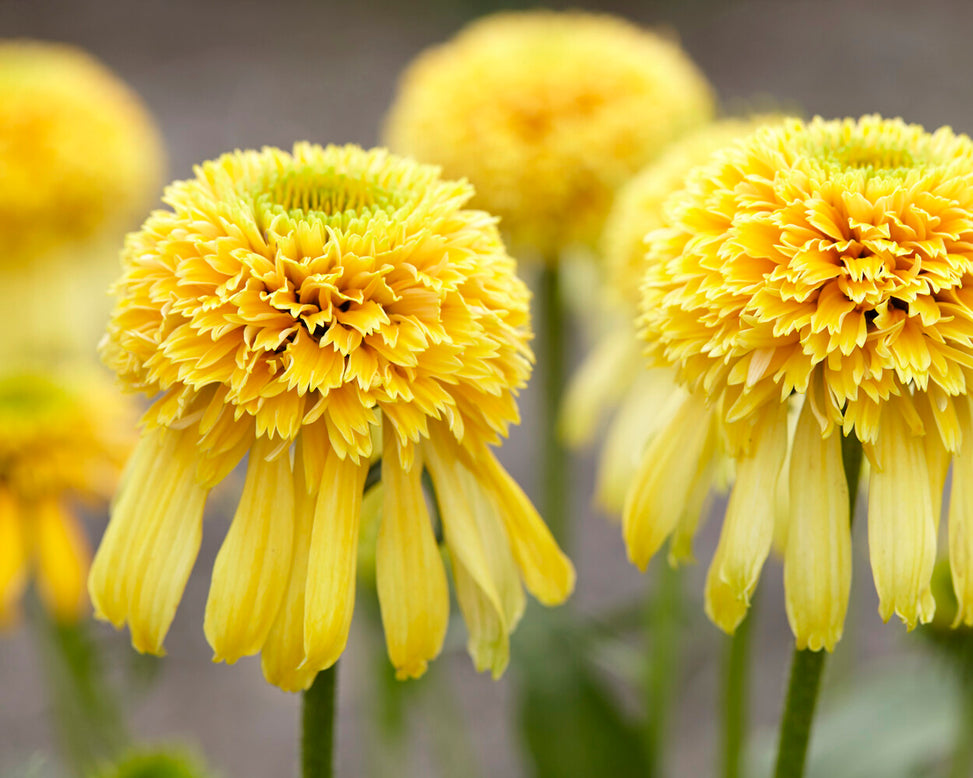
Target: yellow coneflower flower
825, 266
62, 441
79, 158
612, 375
315, 301
547, 114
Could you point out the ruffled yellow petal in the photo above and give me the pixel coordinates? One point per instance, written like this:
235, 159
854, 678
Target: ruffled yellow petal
749, 524
901, 522
332, 560
282, 657
62, 556
410, 576
665, 479
547, 572
13, 558
252, 568
144, 560
961, 521
817, 560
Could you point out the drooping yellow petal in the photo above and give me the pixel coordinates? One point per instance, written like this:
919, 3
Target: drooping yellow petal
282, 657
748, 527
817, 560
252, 568
332, 560
144, 560
13, 558
410, 575
901, 522
62, 555
547, 572
664, 479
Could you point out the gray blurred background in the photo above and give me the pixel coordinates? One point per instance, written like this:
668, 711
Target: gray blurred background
220, 75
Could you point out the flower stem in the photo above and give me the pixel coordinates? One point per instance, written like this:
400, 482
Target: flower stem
962, 765
663, 616
808, 666
736, 698
554, 455
317, 736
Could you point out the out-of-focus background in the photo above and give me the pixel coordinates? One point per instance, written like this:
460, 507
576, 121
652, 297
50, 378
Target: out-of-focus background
221, 74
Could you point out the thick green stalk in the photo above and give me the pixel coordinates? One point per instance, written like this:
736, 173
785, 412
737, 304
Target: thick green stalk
736, 697
663, 616
317, 734
808, 666
553, 374
962, 765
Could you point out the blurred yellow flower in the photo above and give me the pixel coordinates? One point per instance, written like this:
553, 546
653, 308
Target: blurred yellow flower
63, 439
324, 298
824, 266
78, 152
547, 114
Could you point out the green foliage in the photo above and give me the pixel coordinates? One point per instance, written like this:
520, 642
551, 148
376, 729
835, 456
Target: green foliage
155, 764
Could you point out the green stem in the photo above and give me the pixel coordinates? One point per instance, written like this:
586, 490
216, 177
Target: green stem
663, 626
736, 699
317, 735
808, 666
962, 765
553, 374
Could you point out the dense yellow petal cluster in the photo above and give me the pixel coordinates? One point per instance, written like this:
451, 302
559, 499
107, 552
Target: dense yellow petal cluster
547, 114
826, 269
62, 440
319, 309
78, 152
612, 376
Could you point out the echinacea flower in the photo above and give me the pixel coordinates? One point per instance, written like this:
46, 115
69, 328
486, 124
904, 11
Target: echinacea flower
825, 266
80, 159
612, 375
63, 438
315, 305
547, 114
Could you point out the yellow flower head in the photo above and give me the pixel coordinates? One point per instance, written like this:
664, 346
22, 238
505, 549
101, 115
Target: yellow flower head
321, 300
827, 266
547, 114
78, 152
62, 439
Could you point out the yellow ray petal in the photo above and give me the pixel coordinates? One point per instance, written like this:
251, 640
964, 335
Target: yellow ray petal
817, 560
662, 484
410, 575
13, 558
253, 565
62, 555
901, 522
332, 560
282, 657
144, 560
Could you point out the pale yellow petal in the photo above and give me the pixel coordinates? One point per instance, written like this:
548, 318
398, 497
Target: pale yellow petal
144, 560
817, 560
548, 573
253, 566
748, 527
664, 481
901, 522
410, 575
282, 657
332, 560
62, 555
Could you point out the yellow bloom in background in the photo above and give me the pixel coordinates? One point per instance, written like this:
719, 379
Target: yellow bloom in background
63, 438
80, 158
315, 305
612, 376
547, 114
825, 267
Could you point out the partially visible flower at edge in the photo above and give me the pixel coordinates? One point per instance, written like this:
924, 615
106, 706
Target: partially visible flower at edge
547, 114
825, 266
63, 438
315, 303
